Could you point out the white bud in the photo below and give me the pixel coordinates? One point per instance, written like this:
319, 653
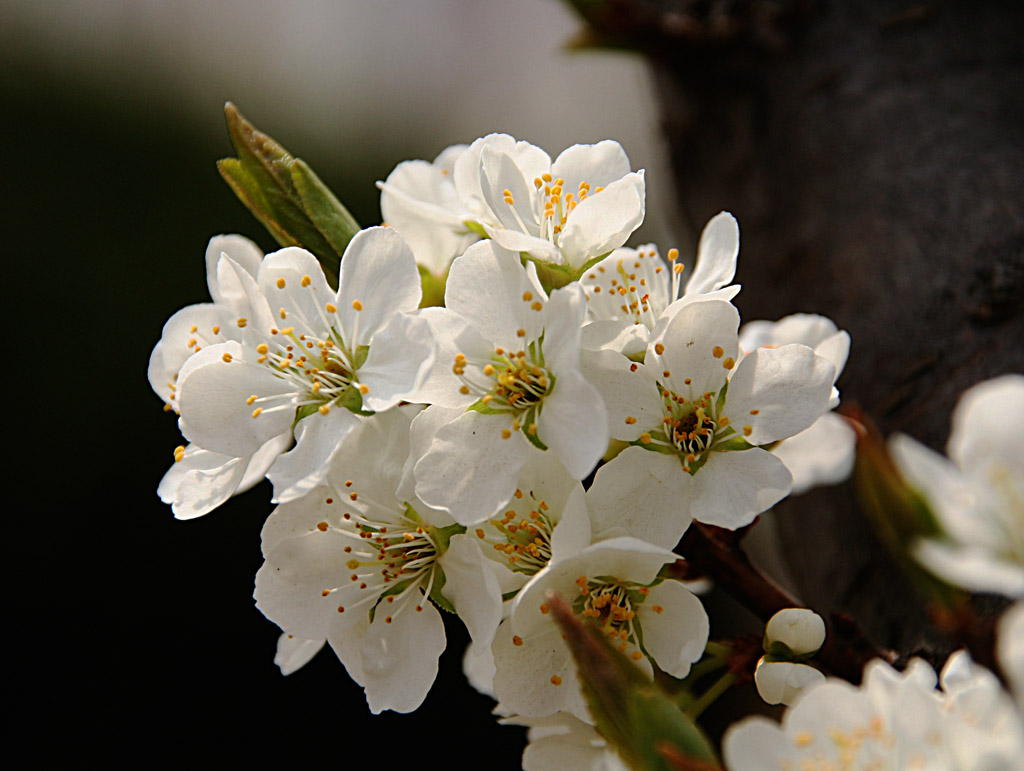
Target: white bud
780, 682
799, 629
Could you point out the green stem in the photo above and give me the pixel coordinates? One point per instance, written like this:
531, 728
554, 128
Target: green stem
723, 684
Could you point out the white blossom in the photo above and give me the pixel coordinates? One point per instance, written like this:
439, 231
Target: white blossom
697, 422
309, 357
630, 290
894, 721
569, 212
977, 494
509, 362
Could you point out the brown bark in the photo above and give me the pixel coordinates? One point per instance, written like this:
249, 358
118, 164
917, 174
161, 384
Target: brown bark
872, 151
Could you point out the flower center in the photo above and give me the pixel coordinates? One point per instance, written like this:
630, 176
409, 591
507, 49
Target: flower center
550, 205
394, 561
510, 382
522, 535
611, 606
311, 355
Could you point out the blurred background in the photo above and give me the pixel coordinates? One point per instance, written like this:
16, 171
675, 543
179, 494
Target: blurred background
135, 636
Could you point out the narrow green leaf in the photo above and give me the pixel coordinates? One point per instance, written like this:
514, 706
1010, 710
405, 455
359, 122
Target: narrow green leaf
328, 214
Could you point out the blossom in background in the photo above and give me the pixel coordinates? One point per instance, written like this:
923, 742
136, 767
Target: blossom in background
420, 201
977, 494
310, 358
894, 721
564, 742
791, 636
357, 564
823, 453
582, 206
697, 421
630, 290
508, 363
614, 584
200, 480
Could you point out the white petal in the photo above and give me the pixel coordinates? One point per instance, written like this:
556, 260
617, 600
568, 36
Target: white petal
716, 255
485, 287
572, 533
200, 482
291, 278
799, 629
987, 426
734, 487
399, 660
598, 165
478, 667
820, 455
470, 471
676, 634
781, 682
646, 493
778, 392
213, 395
379, 272
573, 423
603, 221
629, 391
240, 249
398, 362
317, 438
421, 434
973, 568
691, 340
472, 588
174, 347
293, 653
240, 295
523, 676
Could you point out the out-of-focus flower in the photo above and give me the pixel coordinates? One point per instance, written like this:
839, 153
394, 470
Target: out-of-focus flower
977, 494
792, 635
566, 743
895, 721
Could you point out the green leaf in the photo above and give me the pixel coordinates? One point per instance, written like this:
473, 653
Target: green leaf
285, 195
637, 718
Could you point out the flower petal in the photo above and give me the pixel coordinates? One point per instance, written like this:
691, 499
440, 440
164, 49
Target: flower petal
293, 653
676, 634
734, 487
716, 255
698, 341
317, 439
603, 221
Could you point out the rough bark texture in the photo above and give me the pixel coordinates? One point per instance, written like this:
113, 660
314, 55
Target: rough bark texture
872, 152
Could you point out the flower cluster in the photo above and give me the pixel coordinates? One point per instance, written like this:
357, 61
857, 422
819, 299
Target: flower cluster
553, 428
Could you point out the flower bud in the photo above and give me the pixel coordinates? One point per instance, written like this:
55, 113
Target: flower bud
794, 633
780, 682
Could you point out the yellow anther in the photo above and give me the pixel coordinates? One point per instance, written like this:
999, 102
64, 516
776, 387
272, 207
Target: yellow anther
256, 412
520, 333
659, 349
464, 390
538, 182
251, 399
488, 370
287, 330
729, 363
227, 358
282, 313
262, 348
678, 268
537, 305
645, 438
357, 305
747, 430
505, 433
717, 352
630, 421
324, 409
280, 283
306, 280
546, 177
673, 254
216, 330
193, 329
754, 412
364, 389
331, 308
242, 322
517, 640
556, 680
527, 296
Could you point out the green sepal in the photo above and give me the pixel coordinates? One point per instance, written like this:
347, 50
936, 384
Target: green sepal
509, 595
304, 412
534, 440
285, 195
779, 651
352, 400
442, 536
732, 444
475, 227
359, 357
483, 407
436, 594
530, 418
433, 288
